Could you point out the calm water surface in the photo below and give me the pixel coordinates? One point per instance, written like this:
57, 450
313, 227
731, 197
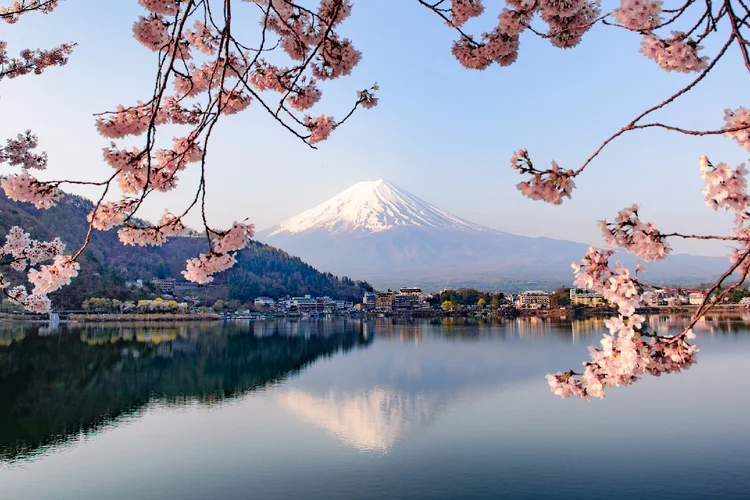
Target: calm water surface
350, 409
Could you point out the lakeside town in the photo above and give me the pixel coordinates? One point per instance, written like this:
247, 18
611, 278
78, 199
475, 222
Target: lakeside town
171, 299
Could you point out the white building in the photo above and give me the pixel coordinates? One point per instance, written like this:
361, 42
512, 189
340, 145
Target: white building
264, 302
696, 298
533, 298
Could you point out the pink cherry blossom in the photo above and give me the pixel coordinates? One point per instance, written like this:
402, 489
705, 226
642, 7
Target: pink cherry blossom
202, 38
19, 152
201, 270
304, 98
337, 59
725, 188
166, 7
24, 187
463, 10
630, 233
639, 15
111, 214
51, 277
320, 128
674, 54
234, 239
124, 122
548, 185
152, 31
740, 117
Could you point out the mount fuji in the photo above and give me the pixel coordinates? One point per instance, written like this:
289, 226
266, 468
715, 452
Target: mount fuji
377, 231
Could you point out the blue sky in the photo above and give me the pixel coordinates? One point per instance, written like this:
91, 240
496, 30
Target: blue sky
440, 131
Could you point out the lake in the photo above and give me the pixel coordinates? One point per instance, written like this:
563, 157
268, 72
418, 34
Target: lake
362, 409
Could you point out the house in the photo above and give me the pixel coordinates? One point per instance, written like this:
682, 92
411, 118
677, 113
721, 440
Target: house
368, 301
164, 285
696, 298
264, 302
580, 297
533, 299
384, 301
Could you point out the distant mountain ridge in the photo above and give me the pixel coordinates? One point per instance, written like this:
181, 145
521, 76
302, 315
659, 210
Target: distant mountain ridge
382, 233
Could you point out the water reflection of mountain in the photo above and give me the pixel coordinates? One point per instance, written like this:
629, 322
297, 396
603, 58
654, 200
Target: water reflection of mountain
369, 420
55, 386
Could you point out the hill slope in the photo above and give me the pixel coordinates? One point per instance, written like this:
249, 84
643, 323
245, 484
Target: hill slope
107, 264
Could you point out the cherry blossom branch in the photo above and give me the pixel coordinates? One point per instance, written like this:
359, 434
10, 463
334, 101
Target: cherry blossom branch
670, 99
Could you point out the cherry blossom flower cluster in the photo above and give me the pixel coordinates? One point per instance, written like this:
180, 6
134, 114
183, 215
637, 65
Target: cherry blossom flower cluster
19, 152
616, 285
463, 10
725, 188
567, 21
49, 278
320, 127
111, 214
625, 353
674, 54
630, 233
21, 252
169, 225
367, 97
548, 185
32, 61
201, 269
234, 239
11, 13
740, 117
225, 246
24, 187
639, 15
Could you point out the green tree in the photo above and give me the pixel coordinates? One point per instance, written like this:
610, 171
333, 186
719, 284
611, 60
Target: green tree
738, 294
218, 305
560, 298
448, 305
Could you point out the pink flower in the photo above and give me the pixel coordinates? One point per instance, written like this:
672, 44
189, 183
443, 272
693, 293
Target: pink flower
320, 128
18, 151
24, 187
630, 233
201, 269
166, 7
674, 54
463, 10
234, 239
51, 277
740, 117
152, 32
639, 15
548, 185
725, 187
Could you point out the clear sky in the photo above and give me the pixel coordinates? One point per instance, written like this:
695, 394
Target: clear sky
440, 131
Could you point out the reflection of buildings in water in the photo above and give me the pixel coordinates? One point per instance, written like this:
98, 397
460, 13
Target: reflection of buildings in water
537, 326
373, 419
587, 327
408, 331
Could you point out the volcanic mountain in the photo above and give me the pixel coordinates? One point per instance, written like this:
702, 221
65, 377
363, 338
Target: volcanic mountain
377, 231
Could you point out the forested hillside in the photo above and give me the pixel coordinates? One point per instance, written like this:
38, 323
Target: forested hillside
107, 264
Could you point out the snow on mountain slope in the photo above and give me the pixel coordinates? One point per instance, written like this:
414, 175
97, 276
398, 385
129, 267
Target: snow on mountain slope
379, 232
371, 207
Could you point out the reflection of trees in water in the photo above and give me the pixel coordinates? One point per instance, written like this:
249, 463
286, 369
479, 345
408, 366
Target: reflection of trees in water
53, 387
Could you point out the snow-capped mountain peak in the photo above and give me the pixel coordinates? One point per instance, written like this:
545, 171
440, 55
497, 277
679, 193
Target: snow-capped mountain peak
371, 207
